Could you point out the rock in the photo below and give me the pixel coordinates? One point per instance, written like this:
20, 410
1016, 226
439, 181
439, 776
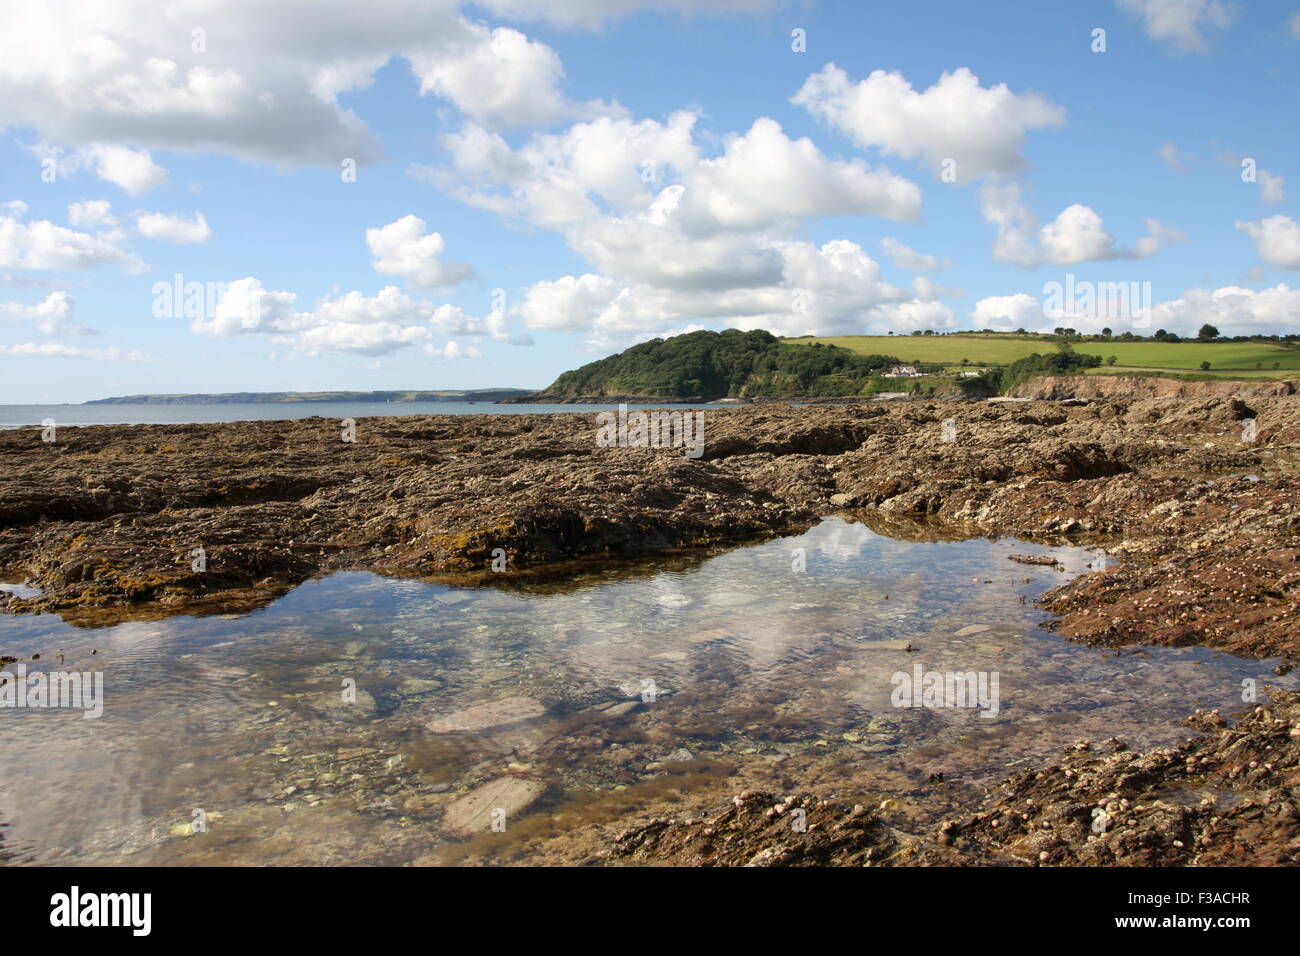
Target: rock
620, 710
473, 813
352, 753
415, 686
331, 704
972, 629
496, 713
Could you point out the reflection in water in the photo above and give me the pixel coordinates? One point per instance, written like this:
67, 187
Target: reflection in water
361, 719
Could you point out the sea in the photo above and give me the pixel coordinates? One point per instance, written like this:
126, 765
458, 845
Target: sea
20, 416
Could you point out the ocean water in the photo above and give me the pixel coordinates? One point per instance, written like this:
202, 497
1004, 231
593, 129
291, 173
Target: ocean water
18, 416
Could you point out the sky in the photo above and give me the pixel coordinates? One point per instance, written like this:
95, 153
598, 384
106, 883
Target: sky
234, 195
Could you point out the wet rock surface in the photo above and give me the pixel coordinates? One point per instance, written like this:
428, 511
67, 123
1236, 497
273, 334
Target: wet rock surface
1227, 797
1202, 524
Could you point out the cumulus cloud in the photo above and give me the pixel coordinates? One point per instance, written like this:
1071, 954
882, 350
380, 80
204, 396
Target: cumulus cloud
92, 212
1272, 188
403, 248
1003, 206
1077, 234
496, 76
830, 289
132, 170
764, 177
156, 225
118, 78
1006, 313
596, 13
352, 323
1277, 240
614, 165
41, 244
981, 129
1183, 24
906, 258
675, 235
51, 315
1232, 310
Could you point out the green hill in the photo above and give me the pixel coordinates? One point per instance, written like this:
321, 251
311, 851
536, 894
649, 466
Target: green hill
712, 365
1000, 349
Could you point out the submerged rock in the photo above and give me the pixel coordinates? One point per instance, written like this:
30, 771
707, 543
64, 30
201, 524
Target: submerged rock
496, 713
502, 800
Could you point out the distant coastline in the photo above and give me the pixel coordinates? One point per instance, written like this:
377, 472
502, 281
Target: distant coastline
258, 398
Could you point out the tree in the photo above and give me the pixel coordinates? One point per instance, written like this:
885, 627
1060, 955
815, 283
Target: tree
1205, 366
1110, 360
1207, 332
1106, 332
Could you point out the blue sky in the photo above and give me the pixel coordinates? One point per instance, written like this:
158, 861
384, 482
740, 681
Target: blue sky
539, 184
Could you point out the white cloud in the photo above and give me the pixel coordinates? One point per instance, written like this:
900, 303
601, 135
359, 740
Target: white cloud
122, 77
981, 129
1232, 310
676, 236
92, 212
1295, 25
1180, 23
832, 289
1272, 188
906, 258
453, 350
133, 170
1003, 206
1077, 234
1006, 313
59, 350
614, 165
1277, 240
596, 13
1174, 158
352, 323
1158, 236
763, 177
498, 327
51, 314
496, 76
568, 304
156, 225
43, 245
402, 248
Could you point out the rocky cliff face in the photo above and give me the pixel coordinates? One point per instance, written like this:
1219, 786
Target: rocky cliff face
1050, 387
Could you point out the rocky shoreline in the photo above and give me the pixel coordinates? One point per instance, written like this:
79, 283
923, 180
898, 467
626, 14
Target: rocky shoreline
1193, 498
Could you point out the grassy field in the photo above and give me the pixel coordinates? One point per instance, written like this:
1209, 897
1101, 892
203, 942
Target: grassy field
1005, 349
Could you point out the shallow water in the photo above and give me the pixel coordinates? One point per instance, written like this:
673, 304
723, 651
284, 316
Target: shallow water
626, 694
